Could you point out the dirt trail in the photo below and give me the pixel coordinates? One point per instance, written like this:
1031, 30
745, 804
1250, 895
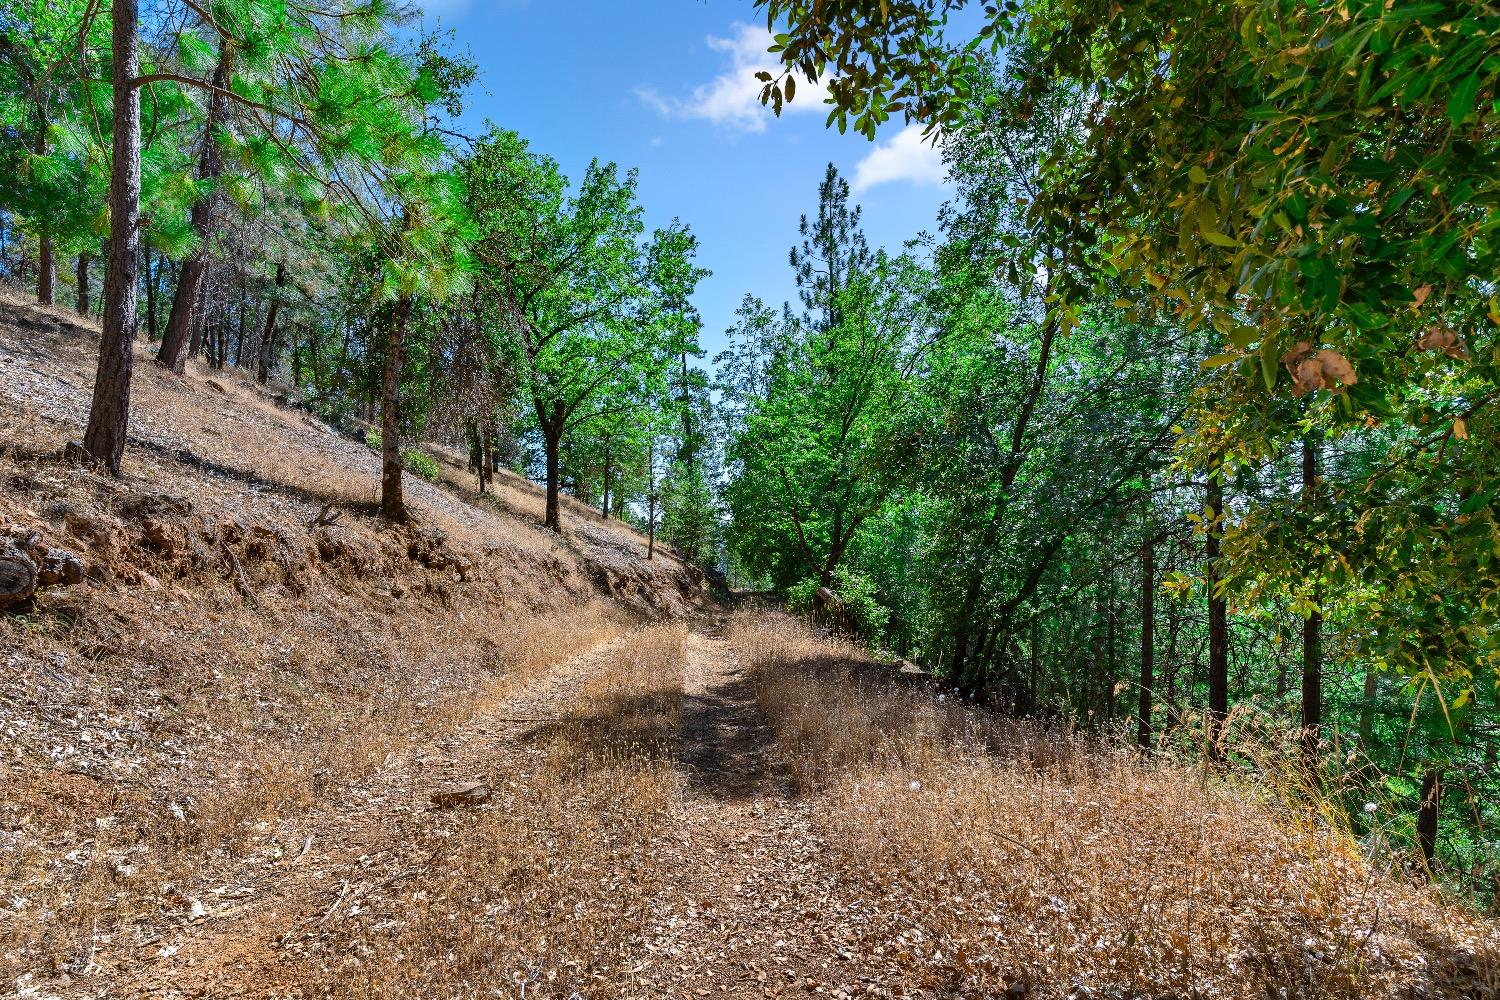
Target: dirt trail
355, 850
751, 908
754, 910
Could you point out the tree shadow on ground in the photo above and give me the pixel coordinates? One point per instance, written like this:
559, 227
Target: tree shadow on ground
728, 745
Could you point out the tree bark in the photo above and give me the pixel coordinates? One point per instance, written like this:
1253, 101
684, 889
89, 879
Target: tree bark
1148, 644
268, 337
151, 330
552, 428
1367, 712
1218, 617
83, 285
1109, 646
1427, 814
604, 500
651, 499
46, 259
1312, 635
190, 280
109, 414
392, 501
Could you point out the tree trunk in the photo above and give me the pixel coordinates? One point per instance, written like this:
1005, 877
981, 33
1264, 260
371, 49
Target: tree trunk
392, 502
650, 499
46, 259
239, 328
688, 452
195, 344
1367, 712
151, 329
1148, 643
83, 285
1218, 617
268, 338
604, 500
1312, 635
109, 414
477, 454
190, 280
1109, 646
46, 271
1427, 814
552, 428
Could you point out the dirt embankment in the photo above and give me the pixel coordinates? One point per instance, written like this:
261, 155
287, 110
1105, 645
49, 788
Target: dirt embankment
247, 641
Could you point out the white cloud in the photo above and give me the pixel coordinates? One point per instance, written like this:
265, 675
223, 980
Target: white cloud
907, 157
732, 99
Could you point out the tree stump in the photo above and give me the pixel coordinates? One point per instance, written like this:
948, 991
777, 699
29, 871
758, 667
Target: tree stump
18, 574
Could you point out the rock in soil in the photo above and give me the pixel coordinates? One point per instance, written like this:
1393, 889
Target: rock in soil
462, 796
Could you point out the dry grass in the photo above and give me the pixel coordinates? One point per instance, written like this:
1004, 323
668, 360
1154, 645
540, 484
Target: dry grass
541, 893
192, 714
245, 766
1019, 855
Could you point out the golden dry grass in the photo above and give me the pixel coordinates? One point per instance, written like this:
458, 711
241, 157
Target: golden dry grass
249, 761
191, 714
1018, 855
542, 892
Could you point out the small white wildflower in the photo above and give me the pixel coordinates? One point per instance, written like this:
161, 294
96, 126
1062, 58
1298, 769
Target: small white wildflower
916, 786
1371, 807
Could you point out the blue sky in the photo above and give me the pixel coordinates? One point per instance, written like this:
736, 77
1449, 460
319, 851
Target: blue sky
668, 86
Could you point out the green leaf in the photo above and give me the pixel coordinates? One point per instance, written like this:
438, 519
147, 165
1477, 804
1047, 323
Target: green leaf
1461, 103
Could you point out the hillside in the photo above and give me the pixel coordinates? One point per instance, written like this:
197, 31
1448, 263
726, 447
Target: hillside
253, 755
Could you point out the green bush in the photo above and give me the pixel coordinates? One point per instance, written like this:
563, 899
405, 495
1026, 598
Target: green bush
417, 462
421, 463
864, 614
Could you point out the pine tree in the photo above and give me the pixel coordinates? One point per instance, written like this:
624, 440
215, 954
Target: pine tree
833, 252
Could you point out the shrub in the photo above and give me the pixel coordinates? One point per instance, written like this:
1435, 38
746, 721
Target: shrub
421, 463
863, 614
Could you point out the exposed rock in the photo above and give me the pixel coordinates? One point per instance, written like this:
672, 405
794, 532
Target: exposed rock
462, 796
59, 568
18, 574
162, 537
341, 547
97, 533
27, 565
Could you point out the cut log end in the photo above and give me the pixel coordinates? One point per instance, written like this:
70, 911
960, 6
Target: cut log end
18, 576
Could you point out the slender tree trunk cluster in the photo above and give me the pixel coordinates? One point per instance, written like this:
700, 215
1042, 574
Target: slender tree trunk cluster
82, 274
181, 325
1312, 636
1147, 681
1218, 615
268, 335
